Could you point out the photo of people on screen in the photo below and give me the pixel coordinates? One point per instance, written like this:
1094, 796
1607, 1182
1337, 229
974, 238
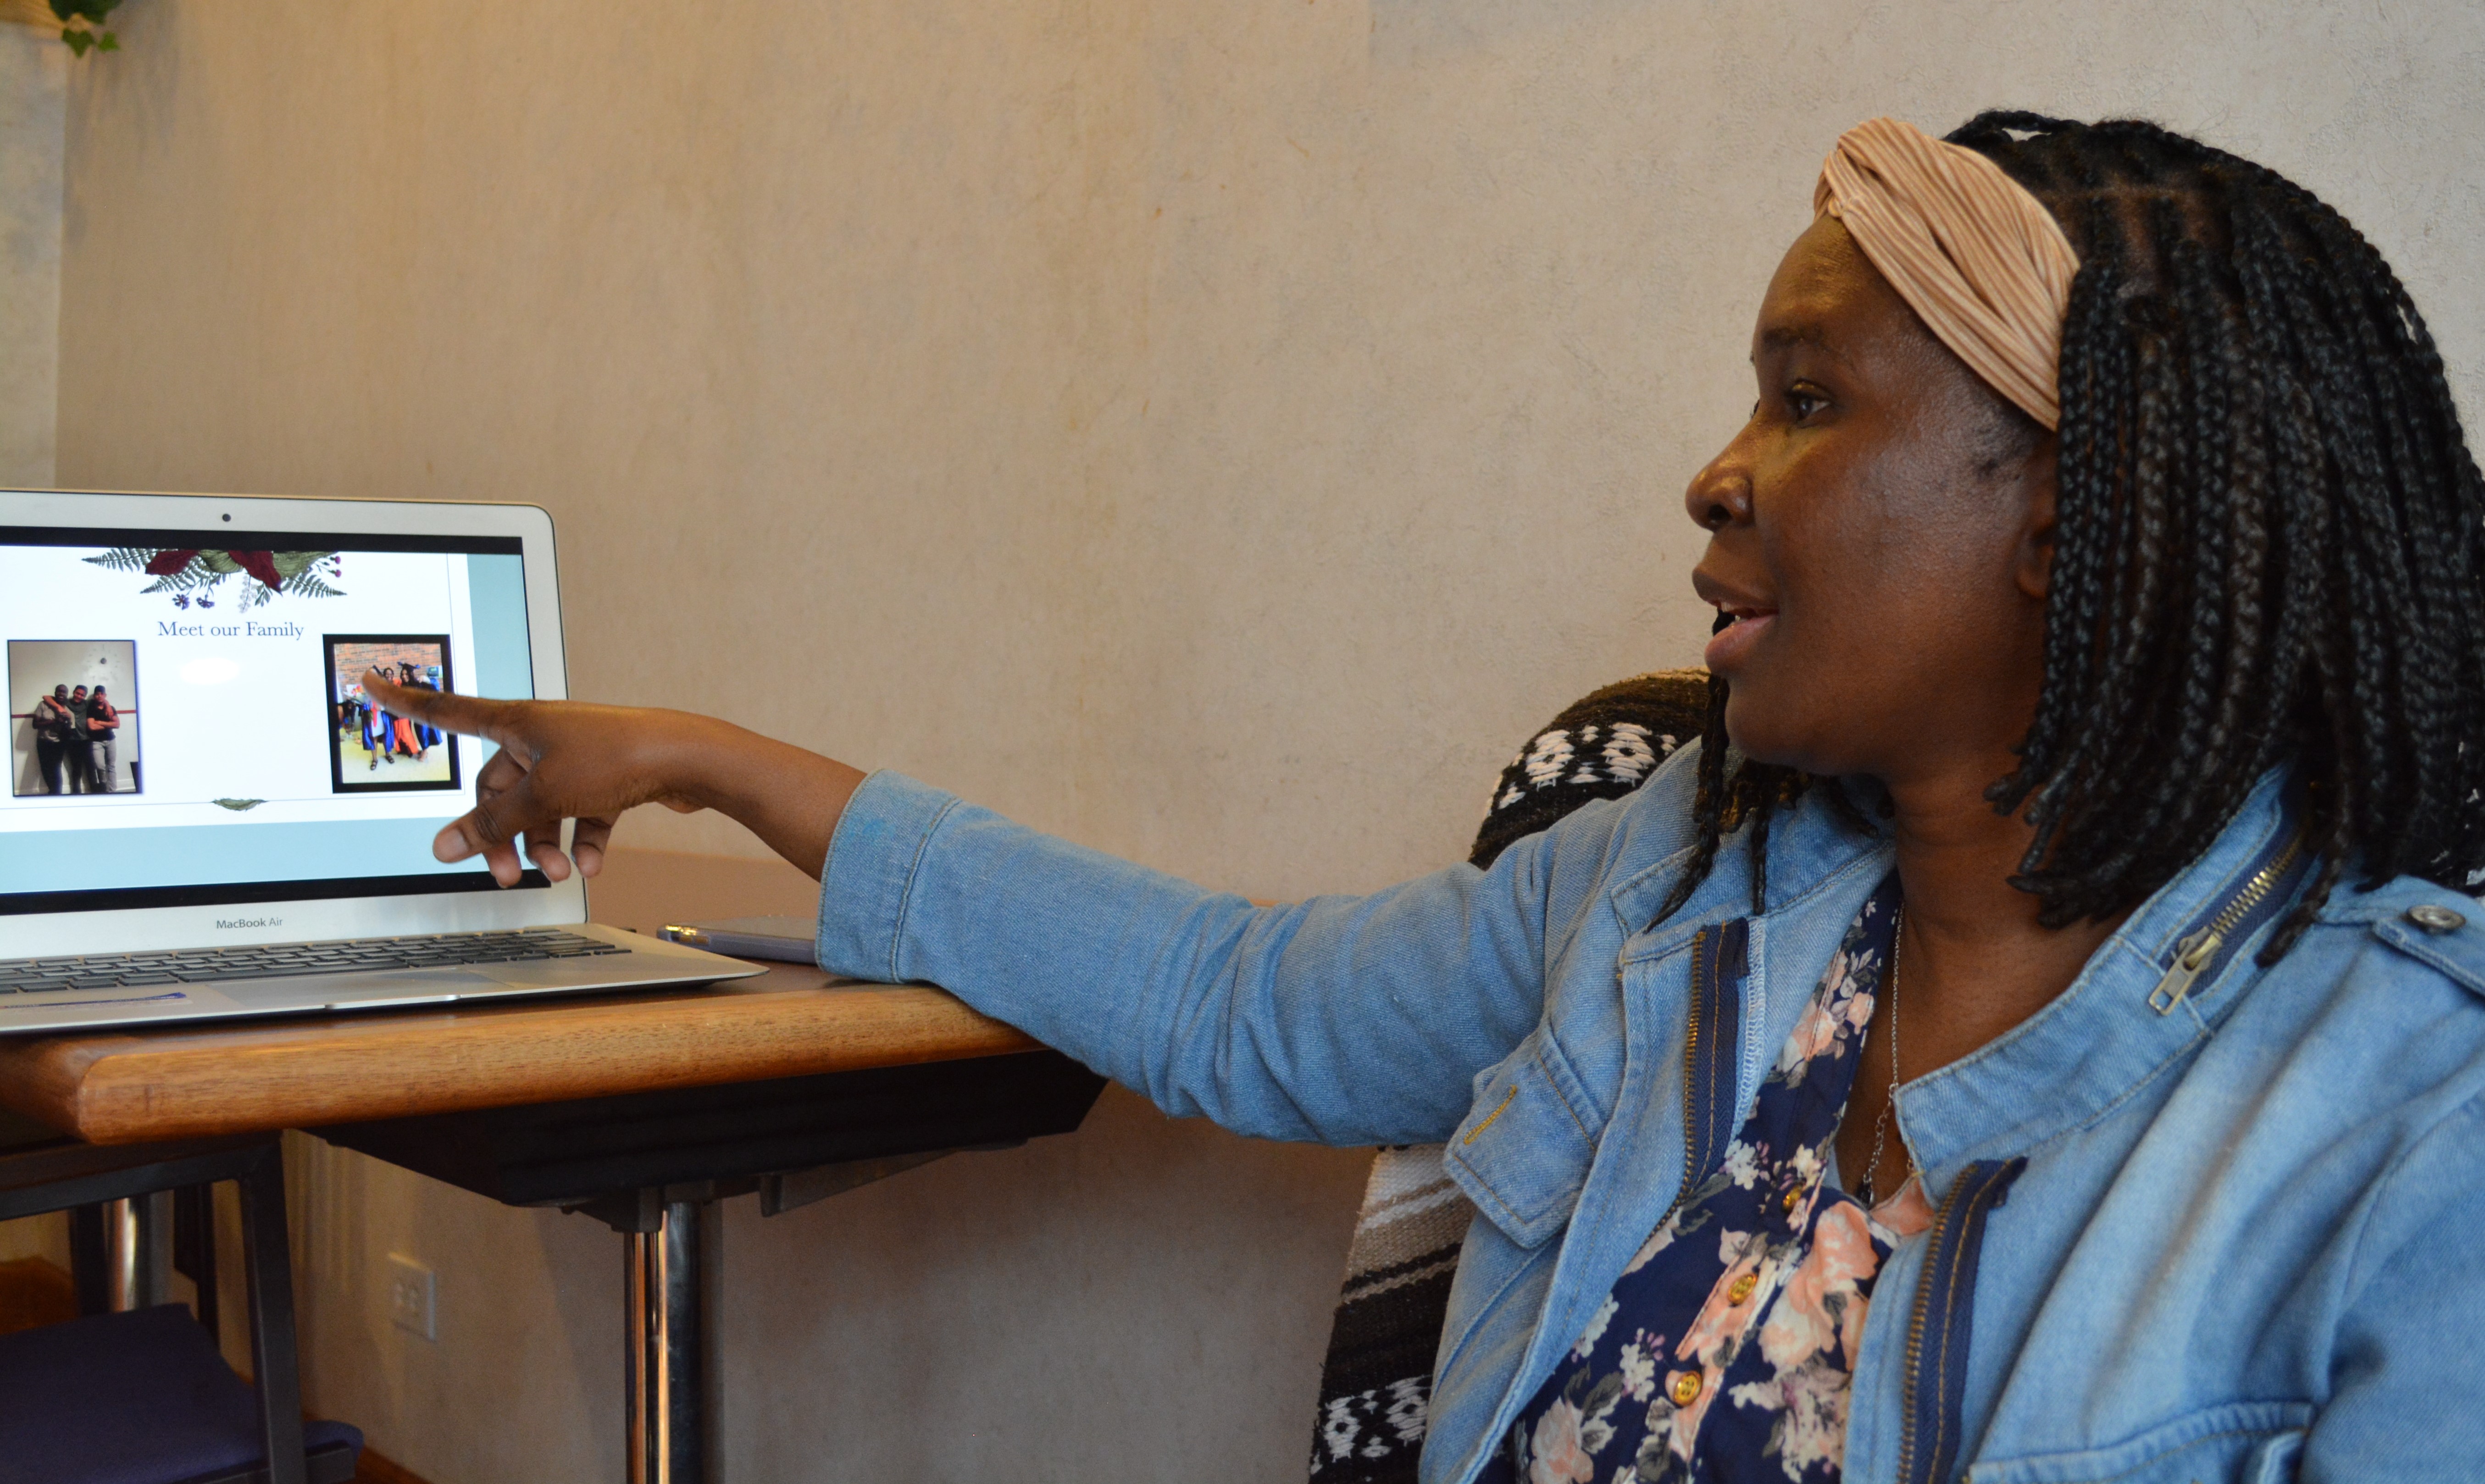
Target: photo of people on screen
370, 750
72, 715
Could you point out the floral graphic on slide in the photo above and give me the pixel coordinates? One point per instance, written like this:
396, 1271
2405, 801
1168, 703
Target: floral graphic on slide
195, 575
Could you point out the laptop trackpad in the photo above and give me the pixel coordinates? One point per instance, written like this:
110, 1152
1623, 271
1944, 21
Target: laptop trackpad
567, 973
367, 991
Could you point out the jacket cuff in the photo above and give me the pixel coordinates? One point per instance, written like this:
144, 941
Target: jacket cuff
880, 841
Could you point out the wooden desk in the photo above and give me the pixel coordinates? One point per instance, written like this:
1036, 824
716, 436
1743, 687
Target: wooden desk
126, 1087
642, 1110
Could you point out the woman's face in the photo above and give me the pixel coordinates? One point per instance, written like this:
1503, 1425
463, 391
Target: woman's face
1879, 532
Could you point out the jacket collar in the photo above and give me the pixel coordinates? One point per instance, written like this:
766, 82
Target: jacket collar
1809, 844
2073, 1060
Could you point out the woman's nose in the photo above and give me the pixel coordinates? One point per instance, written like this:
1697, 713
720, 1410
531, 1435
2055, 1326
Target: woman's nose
1720, 495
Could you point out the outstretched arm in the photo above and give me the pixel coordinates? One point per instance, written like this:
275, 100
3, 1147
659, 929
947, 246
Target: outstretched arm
568, 760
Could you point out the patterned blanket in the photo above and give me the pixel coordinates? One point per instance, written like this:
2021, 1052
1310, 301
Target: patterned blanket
1376, 1383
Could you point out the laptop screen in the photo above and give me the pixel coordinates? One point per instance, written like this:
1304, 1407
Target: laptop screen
187, 724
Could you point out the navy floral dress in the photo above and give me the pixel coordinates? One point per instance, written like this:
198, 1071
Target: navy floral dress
1725, 1349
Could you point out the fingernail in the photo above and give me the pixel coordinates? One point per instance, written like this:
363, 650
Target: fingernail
449, 845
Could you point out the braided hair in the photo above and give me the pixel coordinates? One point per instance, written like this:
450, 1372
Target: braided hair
2270, 544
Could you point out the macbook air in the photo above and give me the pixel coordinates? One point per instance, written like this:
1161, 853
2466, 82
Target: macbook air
207, 817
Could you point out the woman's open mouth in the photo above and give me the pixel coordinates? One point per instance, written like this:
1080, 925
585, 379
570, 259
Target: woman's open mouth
1743, 629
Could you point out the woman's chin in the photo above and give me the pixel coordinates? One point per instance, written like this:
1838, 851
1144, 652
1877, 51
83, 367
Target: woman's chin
1768, 734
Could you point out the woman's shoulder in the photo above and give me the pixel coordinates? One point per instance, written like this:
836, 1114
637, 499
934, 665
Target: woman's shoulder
2384, 999
2409, 929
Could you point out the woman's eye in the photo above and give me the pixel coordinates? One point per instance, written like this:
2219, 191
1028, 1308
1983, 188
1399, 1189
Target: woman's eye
1802, 402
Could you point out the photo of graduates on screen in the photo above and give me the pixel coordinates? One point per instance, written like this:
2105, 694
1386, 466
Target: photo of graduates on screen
370, 750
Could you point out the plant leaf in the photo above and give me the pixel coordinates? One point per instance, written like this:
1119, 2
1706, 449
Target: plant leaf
124, 558
290, 563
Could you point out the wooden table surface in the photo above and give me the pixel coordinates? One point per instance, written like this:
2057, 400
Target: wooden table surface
248, 1076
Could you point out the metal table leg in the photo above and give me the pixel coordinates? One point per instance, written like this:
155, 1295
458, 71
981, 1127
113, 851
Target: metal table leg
646, 1164
138, 1251
672, 1283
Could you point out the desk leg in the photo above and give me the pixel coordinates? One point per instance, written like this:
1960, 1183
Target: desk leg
138, 1251
671, 1287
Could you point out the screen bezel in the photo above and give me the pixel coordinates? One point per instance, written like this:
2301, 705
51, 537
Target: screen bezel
348, 907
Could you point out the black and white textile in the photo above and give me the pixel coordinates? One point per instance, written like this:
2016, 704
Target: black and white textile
1376, 1383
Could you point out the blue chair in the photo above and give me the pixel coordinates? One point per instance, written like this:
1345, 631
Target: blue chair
144, 1396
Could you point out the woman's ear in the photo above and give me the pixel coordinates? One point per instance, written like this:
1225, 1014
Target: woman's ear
2040, 487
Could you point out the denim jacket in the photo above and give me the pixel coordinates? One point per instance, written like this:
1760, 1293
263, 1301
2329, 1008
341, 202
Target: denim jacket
2197, 1220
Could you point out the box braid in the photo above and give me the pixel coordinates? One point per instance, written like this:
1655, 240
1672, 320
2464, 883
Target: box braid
2270, 544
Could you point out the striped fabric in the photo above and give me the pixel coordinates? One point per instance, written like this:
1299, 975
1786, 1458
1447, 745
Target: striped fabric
1376, 1384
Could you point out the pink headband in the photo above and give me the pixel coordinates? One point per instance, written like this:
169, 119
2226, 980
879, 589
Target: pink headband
1980, 261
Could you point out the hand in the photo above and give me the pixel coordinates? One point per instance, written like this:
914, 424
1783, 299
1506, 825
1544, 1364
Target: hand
567, 760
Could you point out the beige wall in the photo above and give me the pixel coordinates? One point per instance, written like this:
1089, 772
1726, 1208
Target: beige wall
34, 92
1217, 430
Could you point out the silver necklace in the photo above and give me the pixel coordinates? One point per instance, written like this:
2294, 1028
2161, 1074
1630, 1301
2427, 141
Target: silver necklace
1881, 1123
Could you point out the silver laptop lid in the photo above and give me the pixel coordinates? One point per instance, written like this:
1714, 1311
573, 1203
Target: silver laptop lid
250, 796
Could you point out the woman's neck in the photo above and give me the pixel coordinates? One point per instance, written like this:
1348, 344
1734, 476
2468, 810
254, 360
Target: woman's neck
1976, 960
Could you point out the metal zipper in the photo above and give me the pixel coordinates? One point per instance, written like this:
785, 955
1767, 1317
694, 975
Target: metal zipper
1953, 1246
2197, 951
1703, 966
1708, 985
1733, 954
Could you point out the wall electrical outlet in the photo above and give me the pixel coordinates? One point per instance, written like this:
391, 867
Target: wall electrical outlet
413, 1296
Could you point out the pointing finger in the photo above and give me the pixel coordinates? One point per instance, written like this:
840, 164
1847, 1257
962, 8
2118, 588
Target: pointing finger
469, 715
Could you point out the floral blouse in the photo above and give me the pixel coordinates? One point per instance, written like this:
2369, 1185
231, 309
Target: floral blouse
1725, 1349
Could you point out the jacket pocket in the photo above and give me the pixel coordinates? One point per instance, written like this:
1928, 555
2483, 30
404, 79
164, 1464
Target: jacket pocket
1522, 1153
2239, 1442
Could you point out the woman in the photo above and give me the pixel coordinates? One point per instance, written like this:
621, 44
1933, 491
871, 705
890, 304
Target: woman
408, 737
103, 725
379, 730
52, 720
2099, 648
79, 755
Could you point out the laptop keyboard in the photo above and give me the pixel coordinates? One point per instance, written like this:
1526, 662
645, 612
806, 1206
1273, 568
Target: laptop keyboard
280, 960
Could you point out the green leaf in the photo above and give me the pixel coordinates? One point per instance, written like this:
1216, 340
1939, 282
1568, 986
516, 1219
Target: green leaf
307, 584
288, 563
78, 41
110, 42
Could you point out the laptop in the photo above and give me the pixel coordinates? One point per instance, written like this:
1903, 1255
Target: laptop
207, 817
